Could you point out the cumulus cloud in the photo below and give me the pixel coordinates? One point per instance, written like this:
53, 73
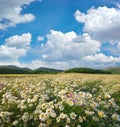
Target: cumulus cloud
65, 50
68, 46
61, 50
101, 58
53, 64
14, 47
101, 22
10, 13
19, 42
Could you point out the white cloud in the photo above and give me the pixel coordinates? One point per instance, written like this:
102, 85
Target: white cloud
40, 38
102, 23
101, 58
68, 46
14, 48
10, 13
53, 64
67, 50
62, 51
11, 52
17, 41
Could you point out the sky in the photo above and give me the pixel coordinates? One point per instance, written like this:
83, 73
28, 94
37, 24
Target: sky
60, 34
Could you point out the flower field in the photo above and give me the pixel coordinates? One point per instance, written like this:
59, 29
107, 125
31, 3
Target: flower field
61, 100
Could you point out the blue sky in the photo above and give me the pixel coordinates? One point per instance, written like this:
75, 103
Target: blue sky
60, 33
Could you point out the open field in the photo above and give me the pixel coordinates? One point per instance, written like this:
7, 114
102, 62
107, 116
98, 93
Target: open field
60, 100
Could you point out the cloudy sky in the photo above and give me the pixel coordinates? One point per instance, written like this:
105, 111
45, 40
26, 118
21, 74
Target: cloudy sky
60, 33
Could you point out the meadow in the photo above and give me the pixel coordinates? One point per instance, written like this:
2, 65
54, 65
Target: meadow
60, 100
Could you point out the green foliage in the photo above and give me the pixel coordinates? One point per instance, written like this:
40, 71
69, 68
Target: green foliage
12, 71
22, 71
87, 70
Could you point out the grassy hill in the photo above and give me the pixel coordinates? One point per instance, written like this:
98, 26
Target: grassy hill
43, 70
10, 69
14, 67
87, 70
114, 70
